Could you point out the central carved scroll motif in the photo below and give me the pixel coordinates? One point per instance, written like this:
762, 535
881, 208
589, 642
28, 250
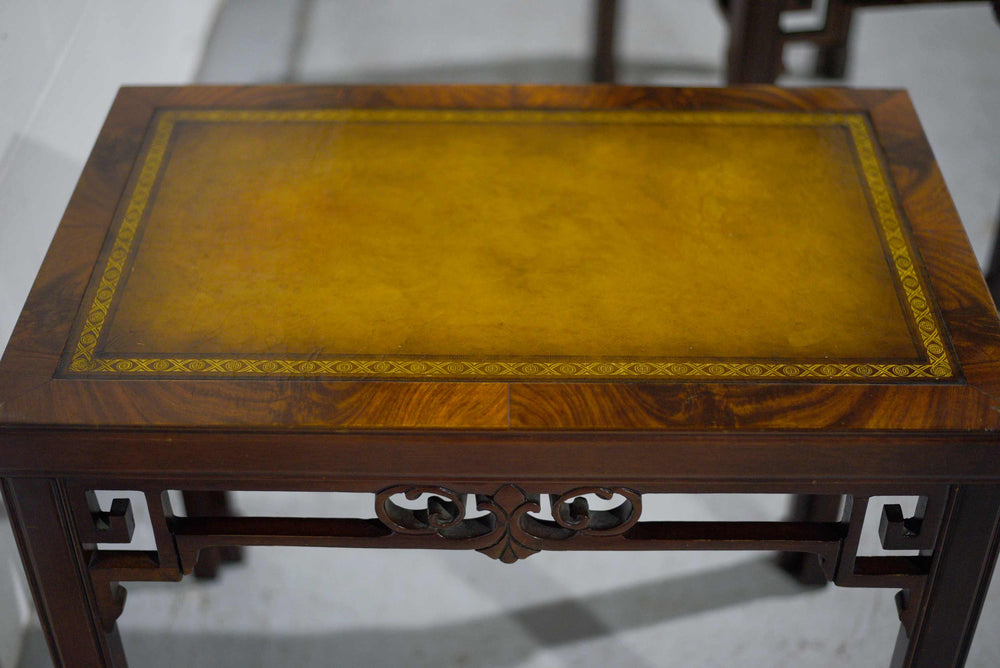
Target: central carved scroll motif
508, 531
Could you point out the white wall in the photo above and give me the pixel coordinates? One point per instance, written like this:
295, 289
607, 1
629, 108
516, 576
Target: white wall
61, 62
14, 606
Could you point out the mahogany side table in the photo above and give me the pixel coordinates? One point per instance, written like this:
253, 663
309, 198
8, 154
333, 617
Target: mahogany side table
506, 299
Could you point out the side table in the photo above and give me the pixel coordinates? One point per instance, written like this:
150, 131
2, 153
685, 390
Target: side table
507, 299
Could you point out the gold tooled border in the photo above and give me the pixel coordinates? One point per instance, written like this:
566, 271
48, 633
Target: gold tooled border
938, 365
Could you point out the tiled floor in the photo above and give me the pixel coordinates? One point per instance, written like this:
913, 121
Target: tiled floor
297, 607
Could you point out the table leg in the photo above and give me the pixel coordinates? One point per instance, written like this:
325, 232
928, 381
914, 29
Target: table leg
755, 41
993, 272
806, 568
603, 66
963, 561
57, 571
211, 504
831, 59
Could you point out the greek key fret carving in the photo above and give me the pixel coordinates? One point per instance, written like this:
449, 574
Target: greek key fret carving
910, 533
896, 532
115, 560
113, 526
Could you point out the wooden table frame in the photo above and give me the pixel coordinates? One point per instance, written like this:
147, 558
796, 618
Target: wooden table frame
504, 442
756, 38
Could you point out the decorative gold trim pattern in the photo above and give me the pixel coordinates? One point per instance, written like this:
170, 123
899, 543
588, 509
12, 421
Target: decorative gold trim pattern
85, 359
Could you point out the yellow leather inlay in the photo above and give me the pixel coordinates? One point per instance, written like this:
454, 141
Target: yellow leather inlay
527, 244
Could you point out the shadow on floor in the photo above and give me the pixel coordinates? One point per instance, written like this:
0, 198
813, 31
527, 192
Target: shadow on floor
507, 639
